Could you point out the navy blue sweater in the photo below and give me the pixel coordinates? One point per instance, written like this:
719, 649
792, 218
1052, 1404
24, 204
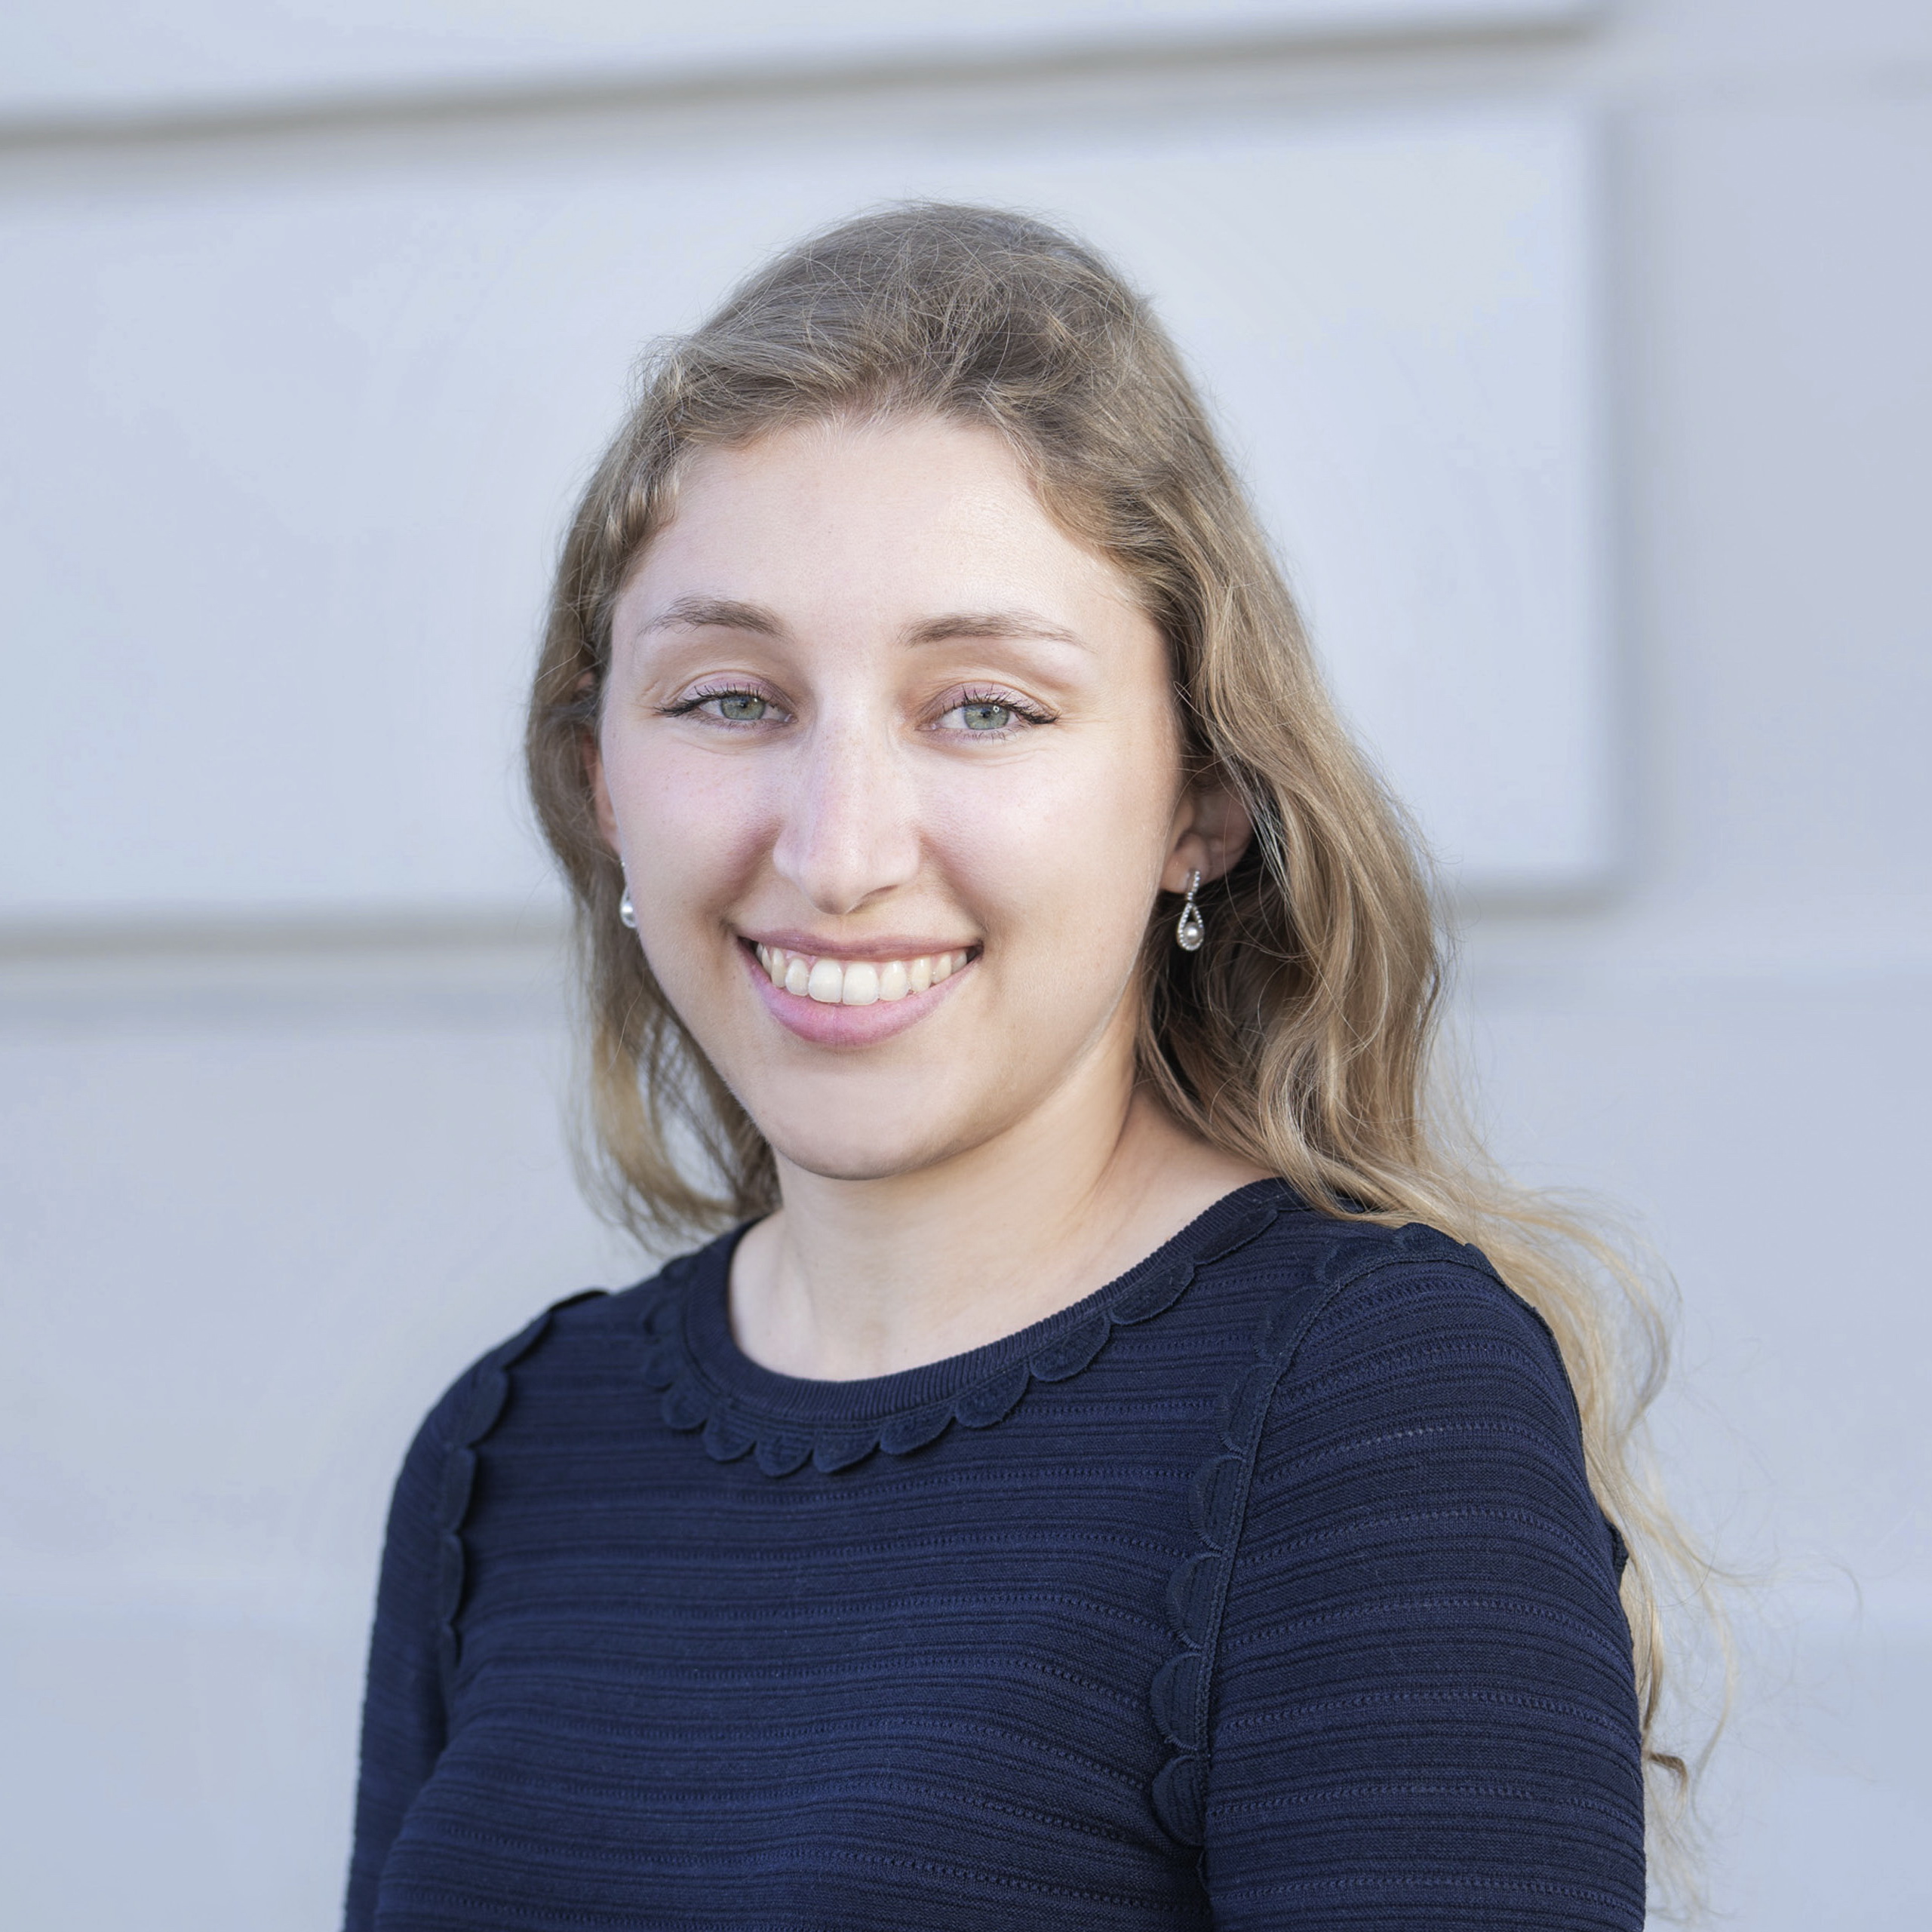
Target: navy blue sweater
1262, 1588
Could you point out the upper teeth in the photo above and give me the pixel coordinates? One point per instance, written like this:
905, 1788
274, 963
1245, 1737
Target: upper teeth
855, 982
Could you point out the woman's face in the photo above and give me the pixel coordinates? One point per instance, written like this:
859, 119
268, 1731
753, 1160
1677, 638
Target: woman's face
892, 765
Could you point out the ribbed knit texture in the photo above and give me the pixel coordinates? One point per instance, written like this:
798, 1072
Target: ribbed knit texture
1262, 1589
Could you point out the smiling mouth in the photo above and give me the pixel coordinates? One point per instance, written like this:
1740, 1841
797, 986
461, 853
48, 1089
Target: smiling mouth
856, 982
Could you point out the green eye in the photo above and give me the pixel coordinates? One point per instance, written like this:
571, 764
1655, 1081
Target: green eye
741, 707
987, 718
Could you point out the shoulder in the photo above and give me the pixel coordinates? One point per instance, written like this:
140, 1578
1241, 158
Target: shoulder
1413, 1435
541, 1369
558, 1342
1334, 1302
1408, 1383
1421, 1345
1412, 1298
469, 1407
1389, 1363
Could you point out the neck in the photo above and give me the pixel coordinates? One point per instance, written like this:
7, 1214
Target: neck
853, 1278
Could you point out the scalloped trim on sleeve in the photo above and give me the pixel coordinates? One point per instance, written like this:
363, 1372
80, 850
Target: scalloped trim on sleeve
474, 1414
1181, 1695
729, 1430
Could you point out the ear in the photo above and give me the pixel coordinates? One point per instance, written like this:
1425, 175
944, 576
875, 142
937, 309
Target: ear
1212, 829
606, 817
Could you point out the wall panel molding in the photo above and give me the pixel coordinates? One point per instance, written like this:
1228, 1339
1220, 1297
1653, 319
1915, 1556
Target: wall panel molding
109, 59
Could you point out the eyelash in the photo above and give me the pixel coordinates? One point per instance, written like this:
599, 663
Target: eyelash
684, 706
1005, 701
957, 700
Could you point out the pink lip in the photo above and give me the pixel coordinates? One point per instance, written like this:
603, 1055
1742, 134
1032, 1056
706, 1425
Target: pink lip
880, 946
846, 1026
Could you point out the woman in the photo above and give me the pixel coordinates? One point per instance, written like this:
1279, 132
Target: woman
1095, 1482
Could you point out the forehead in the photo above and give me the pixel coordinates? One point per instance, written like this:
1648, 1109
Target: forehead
891, 519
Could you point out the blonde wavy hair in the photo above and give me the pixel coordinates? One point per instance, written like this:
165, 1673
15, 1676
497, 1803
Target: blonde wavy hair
1300, 1036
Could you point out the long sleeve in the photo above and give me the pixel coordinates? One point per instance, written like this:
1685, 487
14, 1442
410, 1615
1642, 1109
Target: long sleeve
1422, 1710
404, 1724
403, 1719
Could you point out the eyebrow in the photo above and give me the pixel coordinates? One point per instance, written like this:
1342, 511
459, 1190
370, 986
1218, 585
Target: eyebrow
718, 614
989, 624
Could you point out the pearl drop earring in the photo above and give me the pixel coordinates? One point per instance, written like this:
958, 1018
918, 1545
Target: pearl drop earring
1191, 929
628, 913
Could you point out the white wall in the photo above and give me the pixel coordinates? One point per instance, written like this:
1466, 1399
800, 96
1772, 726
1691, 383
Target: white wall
350, 393
1584, 368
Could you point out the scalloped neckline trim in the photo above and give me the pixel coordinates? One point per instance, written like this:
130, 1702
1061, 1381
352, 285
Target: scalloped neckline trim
706, 1385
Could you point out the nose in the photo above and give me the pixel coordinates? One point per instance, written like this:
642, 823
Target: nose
849, 828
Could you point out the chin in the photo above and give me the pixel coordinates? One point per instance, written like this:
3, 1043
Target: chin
871, 1145
858, 1157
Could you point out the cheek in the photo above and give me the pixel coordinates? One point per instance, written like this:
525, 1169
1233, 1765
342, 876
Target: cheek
689, 825
1067, 861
